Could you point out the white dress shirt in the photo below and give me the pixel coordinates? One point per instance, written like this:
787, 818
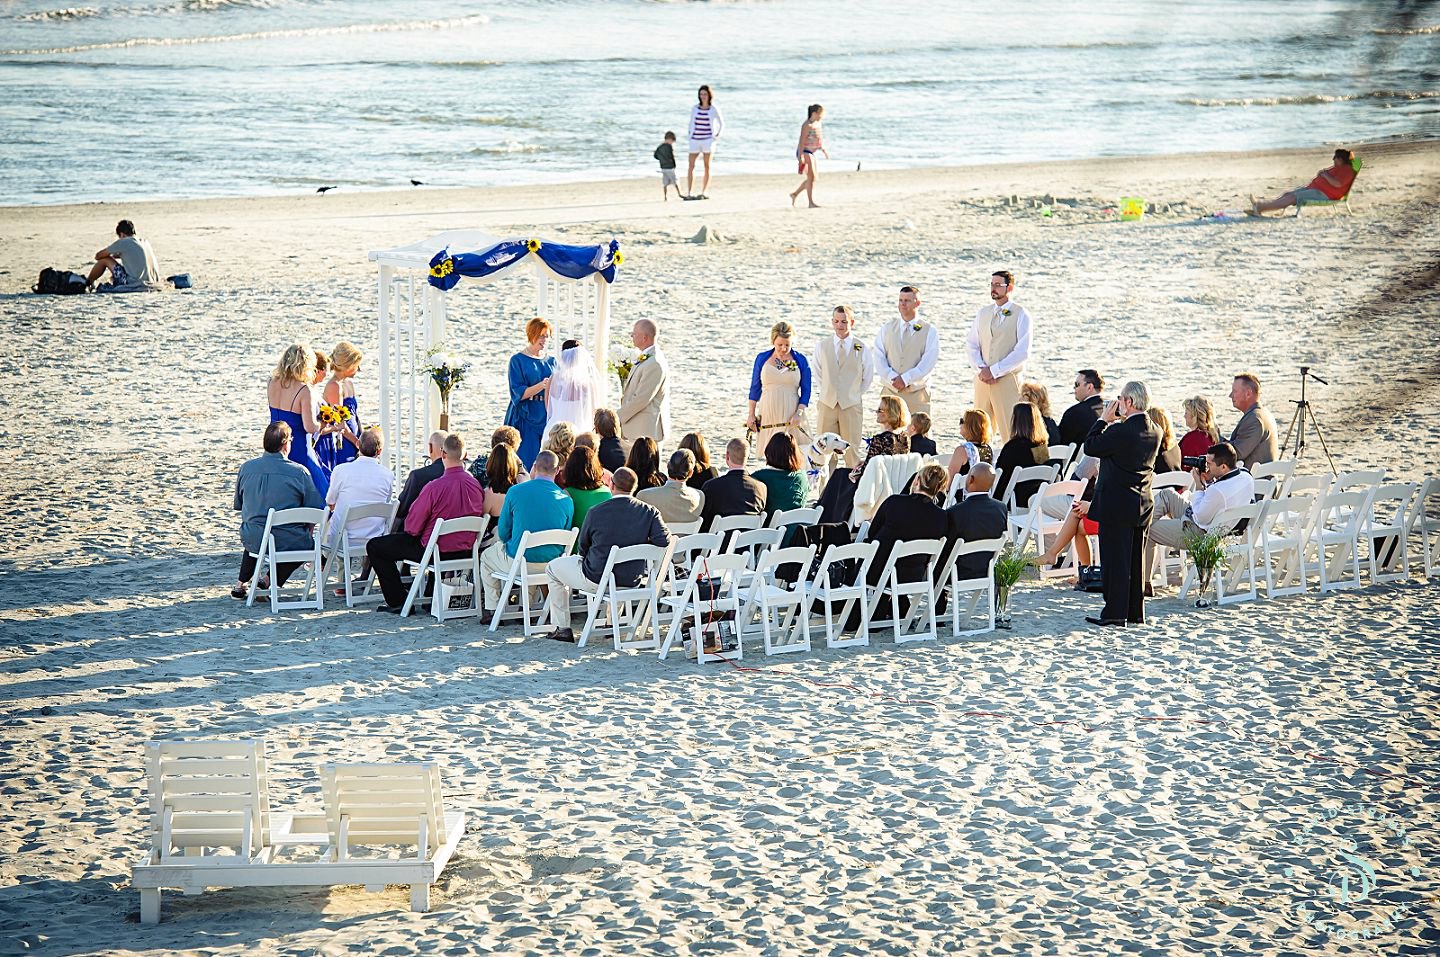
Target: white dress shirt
1015, 361
867, 359
1233, 490
927, 361
361, 481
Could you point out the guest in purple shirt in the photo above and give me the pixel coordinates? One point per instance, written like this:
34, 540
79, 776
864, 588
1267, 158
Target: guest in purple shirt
455, 494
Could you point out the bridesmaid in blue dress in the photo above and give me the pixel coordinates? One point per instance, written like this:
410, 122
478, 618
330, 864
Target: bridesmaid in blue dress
292, 401
529, 376
343, 445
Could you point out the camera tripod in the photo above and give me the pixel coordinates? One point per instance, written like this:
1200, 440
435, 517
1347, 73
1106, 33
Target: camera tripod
1304, 411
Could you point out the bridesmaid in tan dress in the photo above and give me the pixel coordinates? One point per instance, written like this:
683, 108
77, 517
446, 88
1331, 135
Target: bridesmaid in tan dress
780, 390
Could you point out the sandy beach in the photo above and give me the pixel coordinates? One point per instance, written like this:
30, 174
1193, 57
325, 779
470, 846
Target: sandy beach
1185, 788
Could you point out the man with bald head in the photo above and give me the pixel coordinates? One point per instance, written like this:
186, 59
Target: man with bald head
645, 402
976, 517
418, 479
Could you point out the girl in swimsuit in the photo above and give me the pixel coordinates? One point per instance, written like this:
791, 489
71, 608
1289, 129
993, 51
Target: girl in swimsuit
812, 141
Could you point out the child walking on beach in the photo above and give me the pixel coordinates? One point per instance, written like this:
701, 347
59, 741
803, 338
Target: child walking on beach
812, 141
665, 153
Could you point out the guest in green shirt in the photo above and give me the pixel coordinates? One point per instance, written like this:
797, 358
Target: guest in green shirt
786, 486
584, 482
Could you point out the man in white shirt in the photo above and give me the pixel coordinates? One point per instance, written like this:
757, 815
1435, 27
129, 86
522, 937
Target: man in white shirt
906, 351
131, 262
999, 344
363, 481
846, 367
1223, 485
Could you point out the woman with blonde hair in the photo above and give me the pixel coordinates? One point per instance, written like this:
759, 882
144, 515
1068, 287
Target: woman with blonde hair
1200, 420
837, 499
529, 376
1167, 459
291, 394
976, 436
344, 444
1039, 396
560, 439
779, 389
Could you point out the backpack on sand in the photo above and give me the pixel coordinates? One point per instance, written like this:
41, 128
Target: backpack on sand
59, 282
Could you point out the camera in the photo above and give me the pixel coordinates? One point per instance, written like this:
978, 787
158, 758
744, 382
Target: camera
1196, 462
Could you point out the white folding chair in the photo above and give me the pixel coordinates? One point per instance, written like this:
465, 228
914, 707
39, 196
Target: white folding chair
629, 608
678, 529
1033, 473
1357, 481
726, 524
795, 516
1240, 555
529, 577
1425, 525
957, 488
1335, 538
1181, 481
1034, 522
1386, 530
753, 544
973, 588
710, 590
1307, 485
344, 550
685, 550
826, 593
781, 605
447, 572
920, 592
1280, 471
1264, 489
1283, 544
268, 559
1060, 456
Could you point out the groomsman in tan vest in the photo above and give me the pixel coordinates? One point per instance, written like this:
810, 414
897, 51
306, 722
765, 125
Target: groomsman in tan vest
999, 344
645, 402
905, 353
846, 367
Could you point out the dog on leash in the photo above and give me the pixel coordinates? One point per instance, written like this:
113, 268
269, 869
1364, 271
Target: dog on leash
822, 453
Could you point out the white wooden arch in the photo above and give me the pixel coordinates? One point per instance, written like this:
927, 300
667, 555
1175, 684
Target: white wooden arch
412, 316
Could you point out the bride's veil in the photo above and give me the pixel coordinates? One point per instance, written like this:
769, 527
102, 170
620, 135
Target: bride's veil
575, 378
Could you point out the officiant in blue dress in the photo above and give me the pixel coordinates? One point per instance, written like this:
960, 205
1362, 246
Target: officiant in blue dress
529, 377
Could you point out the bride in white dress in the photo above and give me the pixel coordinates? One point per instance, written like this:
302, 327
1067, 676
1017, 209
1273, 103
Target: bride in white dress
575, 388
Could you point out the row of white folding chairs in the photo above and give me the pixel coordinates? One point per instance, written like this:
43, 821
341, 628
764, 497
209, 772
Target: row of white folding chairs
324, 561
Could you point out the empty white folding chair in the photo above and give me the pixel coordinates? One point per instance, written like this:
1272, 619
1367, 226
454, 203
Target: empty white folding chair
529, 577
447, 572
1034, 523
1425, 525
708, 594
344, 550
1335, 539
1359, 480
1280, 471
970, 591
783, 605
677, 529
1264, 489
753, 544
795, 516
268, 559
1307, 485
1180, 481
1242, 551
920, 593
1283, 542
827, 589
1385, 529
630, 609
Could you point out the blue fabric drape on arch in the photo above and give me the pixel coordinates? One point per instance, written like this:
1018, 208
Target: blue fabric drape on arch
572, 262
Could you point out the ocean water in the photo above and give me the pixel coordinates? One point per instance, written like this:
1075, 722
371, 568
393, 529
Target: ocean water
148, 98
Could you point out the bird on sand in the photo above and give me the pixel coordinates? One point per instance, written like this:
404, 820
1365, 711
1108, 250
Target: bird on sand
324, 189
416, 182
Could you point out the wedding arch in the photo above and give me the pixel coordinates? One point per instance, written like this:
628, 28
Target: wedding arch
572, 290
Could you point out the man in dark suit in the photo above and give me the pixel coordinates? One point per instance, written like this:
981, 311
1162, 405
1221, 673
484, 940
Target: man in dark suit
976, 517
735, 492
1075, 423
418, 479
1126, 444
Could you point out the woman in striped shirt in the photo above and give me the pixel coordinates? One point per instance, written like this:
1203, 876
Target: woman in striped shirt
705, 127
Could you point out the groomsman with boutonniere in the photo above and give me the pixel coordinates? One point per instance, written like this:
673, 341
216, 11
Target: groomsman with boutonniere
999, 344
847, 367
905, 353
645, 402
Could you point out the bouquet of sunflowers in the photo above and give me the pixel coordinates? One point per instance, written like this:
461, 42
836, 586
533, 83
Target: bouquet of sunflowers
334, 414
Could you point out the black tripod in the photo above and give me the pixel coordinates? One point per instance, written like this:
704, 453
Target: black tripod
1303, 411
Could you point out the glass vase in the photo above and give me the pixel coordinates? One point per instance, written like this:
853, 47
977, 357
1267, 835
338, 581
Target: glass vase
1002, 606
1202, 597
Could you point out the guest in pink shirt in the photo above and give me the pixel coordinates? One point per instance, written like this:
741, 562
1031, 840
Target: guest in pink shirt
455, 494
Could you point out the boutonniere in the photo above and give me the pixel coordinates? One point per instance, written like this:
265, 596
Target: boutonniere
915, 326
790, 364
1005, 311
642, 357
859, 347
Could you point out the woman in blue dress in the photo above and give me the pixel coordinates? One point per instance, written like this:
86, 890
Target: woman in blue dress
292, 401
529, 376
343, 444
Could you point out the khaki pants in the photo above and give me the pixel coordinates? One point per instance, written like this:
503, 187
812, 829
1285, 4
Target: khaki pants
566, 574
493, 559
916, 400
846, 423
997, 400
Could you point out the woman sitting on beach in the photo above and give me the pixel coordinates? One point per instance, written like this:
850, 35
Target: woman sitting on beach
582, 482
1200, 420
644, 461
975, 447
560, 439
1168, 458
591, 441
291, 394
779, 389
812, 141
1028, 446
502, 473
704, 471
611, 451
1039, 396
344, 444
529, 376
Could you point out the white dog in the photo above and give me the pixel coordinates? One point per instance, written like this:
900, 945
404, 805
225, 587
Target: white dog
822, 453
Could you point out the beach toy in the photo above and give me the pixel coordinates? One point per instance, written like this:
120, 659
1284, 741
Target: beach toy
1045, 211
1132, 209
180, 280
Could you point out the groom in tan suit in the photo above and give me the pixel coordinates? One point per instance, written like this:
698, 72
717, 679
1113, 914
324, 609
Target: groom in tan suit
644, 403
846, 367
999, 344
905, 353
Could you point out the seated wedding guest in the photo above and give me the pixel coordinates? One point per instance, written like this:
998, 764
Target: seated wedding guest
591, 441
1077, 527
1075, 423
1168, 459
837, 498
1224, 484
1200, 421
582, 483
976, 516
677, 502
480, 466
272, 481
908, 518
694, 443
455, 494
560, 439
919, 432
361, 481
786, 486
537, 505
1028, 446
611, 451
502, 473
1254, 436
1039, 396
644, 461
735, 492
616, 523
418, 479
975, 443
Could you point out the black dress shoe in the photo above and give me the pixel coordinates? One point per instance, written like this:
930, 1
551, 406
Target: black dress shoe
1106, 622
1136, 621
388, 609
561, 634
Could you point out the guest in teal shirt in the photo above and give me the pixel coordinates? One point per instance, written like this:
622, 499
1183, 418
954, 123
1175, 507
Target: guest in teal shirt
786, 485
536, 505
